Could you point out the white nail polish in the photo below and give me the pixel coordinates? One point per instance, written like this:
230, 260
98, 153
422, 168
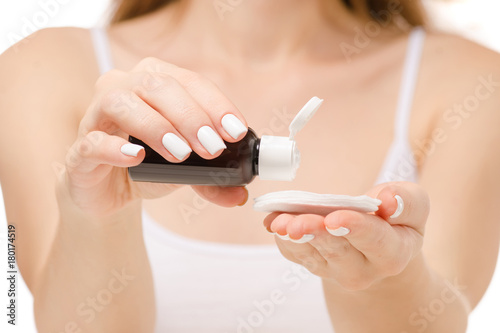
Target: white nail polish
131, 149
304, 239
339, 232
269, 157
210, 140
283, 237
272, 233
176, 146
233, 126
399, 208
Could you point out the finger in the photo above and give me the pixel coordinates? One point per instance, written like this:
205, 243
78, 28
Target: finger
368, 233
174, 103
279, 225
99, 150
135, 117
305, 235
227, 119
390, 247
404, 203
303, 228
310, 228
223, 196
268, 220
305, 255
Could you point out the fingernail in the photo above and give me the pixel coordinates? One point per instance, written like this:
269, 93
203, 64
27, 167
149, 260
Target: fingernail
271, 232
399, 208
304, 239
210, 140
246, 198
131, 149
283, 237
176, 146
233, 126
339, 232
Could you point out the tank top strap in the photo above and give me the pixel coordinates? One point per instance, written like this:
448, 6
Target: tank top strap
408, 83
399, 162
101, 48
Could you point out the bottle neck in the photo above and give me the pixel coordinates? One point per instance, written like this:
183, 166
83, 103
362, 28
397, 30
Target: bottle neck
255, 157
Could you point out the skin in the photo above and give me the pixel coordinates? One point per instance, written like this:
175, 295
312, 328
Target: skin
78, 216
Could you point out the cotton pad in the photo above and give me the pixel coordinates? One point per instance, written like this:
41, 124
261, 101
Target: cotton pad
313, 203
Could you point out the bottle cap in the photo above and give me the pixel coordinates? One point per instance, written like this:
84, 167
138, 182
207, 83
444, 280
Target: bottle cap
304, 115
279, 157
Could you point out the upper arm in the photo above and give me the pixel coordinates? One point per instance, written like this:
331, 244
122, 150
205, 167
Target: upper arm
461, 171
38, 124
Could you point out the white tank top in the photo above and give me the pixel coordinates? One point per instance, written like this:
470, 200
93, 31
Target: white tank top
208, 287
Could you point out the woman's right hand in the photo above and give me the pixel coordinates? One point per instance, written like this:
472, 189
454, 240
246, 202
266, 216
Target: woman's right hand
173, 110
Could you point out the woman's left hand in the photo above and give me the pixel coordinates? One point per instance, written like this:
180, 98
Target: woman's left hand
352, 248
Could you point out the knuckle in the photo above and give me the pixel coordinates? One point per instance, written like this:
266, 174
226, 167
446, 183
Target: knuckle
148, 62
336, 249
354, 282
147, 121
113, 99
379, 243
190, 78
108, 78
85, 147
153, 81
95, 138
393, 266
303, 257
190, 113
107, 125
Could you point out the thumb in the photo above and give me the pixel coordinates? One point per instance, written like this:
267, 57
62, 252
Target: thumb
223, 196
403, 203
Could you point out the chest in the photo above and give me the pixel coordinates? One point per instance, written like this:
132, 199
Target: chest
343, 147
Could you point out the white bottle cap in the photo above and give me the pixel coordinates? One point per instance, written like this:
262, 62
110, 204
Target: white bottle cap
304, 115
279, 157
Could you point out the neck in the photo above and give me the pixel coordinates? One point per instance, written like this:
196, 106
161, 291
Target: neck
264, 31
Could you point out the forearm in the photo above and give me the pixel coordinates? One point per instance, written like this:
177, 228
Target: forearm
97, 277
417, 300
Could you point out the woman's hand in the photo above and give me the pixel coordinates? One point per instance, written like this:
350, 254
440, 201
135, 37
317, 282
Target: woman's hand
357, 249
173, 110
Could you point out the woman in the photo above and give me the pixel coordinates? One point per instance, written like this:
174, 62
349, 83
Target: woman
414, 113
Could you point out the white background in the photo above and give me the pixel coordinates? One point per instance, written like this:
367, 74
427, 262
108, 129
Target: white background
476, 19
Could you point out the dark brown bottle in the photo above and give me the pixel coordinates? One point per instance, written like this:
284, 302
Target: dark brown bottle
271, 157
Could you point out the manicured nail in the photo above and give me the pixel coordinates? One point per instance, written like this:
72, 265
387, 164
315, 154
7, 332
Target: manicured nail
233, 126
131, 149
400, 207
339, 232
210, 140
176, 146
272, 233
283, 237
304, 239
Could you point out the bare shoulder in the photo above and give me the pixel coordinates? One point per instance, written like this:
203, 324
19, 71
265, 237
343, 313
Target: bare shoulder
50, 60
464, 78
56, 47
49, 42
446, 44
459, 61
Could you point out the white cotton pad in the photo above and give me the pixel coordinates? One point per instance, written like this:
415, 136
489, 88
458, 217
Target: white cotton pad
313, 203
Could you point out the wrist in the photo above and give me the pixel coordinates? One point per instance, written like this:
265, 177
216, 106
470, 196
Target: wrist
72, 213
